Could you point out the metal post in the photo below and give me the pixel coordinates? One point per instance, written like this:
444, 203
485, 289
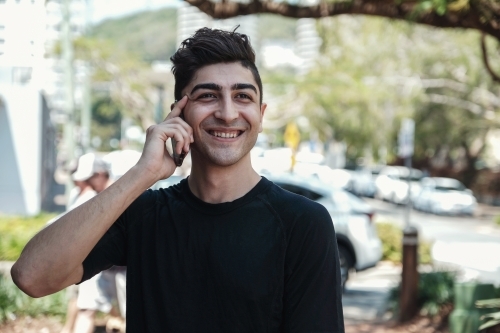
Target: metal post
408, 202
409, 277
69, 126
86, 116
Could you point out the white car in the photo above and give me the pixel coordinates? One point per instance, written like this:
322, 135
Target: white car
445, 196
392, 184
357, 238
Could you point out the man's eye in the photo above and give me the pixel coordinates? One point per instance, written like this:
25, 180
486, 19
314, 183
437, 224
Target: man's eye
244, 96
207, 96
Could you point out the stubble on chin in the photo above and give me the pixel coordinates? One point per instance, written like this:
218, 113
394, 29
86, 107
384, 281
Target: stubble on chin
223, 155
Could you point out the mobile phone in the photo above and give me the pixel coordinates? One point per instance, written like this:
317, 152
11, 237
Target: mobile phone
178, 158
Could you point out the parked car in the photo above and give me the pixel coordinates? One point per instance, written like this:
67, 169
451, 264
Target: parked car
445, 196
357, 238
392, 184
338, 178
363, 183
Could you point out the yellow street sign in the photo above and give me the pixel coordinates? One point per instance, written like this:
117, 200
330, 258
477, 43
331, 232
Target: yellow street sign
292, 135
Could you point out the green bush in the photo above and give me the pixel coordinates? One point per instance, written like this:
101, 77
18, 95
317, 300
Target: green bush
16, 231
13, 302
392, 238
435, 290
497, 220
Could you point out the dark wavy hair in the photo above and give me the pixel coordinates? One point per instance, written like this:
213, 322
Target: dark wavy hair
208, 47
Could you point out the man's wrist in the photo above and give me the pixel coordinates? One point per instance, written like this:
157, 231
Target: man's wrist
141, 177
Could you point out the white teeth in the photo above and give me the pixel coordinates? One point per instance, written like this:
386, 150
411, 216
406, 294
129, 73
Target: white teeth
225, 135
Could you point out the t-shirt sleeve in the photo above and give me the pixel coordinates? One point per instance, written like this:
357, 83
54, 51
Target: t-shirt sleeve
108, 252
111, 250
312, 299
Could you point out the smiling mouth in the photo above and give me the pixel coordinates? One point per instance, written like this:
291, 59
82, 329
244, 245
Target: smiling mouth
226, 135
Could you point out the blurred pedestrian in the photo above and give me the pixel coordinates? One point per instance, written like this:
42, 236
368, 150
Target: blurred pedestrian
101, 292
79, 194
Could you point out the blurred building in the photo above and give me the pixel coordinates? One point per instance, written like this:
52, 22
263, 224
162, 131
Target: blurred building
26, 133
190, 19
32, 91
54, 85
271, 53
307, 43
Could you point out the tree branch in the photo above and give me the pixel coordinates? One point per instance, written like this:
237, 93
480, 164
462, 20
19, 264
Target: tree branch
471, 18
456, 102
493, 75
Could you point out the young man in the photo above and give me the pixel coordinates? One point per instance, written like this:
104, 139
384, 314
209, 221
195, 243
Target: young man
225, 250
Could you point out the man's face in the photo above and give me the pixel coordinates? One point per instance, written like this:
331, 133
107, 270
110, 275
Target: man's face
225, 113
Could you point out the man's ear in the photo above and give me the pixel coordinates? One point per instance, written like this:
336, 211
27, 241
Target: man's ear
263, 107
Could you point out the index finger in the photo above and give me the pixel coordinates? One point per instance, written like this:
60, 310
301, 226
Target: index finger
177, 107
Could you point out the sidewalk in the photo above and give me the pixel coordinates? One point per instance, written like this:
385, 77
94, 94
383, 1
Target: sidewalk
367, 292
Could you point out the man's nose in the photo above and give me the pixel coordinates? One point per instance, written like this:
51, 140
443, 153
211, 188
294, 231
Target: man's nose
227, 110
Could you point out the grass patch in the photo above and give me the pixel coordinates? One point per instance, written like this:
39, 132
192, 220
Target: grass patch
497, 220
15, 303
392, 238
16, 231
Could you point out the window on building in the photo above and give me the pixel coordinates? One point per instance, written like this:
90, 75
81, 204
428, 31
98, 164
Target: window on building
21, 75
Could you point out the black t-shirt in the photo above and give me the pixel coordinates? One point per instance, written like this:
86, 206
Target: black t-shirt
266, 262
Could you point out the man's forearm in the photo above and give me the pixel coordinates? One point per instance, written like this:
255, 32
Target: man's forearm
52, 260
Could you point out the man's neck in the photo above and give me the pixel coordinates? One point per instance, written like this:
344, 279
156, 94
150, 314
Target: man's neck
215, 184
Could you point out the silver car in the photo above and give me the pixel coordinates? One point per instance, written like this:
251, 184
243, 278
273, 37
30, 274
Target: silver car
393, 186
445, 196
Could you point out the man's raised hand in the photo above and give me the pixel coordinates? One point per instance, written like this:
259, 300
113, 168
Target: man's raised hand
155, 158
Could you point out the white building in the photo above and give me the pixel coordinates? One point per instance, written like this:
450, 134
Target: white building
54, 85
26, 134
307, 43
190, 19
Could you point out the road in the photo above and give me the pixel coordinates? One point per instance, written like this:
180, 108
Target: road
471, 243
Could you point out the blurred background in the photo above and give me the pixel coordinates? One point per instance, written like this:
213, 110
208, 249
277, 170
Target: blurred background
395, 113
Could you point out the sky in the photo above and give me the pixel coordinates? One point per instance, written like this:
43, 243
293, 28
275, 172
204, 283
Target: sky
105, 9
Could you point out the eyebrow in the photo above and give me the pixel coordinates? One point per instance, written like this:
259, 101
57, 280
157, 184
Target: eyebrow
216, 87
242, 86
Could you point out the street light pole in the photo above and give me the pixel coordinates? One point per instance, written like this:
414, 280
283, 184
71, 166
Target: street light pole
409, 275
67, 51
86, 112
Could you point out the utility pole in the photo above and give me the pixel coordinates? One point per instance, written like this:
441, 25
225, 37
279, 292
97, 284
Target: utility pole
409, 276
67, 51
86, 113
